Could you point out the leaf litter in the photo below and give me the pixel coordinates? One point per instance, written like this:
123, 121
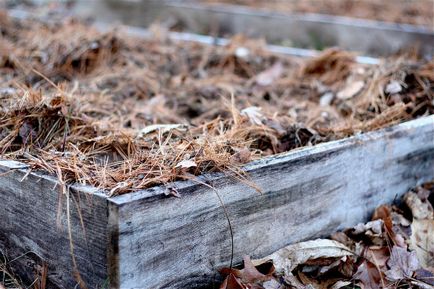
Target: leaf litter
387, 252
122, 113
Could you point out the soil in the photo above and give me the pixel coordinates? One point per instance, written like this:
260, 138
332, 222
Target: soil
123, 113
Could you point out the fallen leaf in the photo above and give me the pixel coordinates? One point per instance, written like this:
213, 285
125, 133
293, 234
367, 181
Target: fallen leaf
420, 284
368, 274
242, 156
383, 213
378, 255
393, 87
268, 76
254, 114
375, 226
27, 133
399, 219
326, 99
293, 282
402, 264
420, 209
288, 258
422, 242
231, 282
185, 164
163, 128
271, 284
424, 276
351, 90
250, 273
171, 191
340, 284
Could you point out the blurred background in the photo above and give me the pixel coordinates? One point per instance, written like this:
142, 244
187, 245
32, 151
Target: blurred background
370, 27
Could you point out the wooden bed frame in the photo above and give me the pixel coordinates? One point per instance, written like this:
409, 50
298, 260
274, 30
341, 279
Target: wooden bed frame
312, 31
146, 239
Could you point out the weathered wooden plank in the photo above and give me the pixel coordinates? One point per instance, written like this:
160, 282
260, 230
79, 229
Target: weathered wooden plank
31, 235
303, 30
166, 242
148, 240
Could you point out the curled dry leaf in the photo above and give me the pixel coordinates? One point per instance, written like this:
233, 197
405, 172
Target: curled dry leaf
186, 164
287, 259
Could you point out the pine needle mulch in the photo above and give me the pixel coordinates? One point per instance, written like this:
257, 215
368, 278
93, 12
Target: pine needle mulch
123, 114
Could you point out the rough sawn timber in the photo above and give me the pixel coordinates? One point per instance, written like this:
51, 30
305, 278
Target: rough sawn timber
149, 240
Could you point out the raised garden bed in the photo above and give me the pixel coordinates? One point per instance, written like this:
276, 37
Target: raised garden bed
120, 123
279, 25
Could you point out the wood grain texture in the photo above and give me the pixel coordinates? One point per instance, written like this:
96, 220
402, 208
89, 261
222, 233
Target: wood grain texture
29, 231
165, 242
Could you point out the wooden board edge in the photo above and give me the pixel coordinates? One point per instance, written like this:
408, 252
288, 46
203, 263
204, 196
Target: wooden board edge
389, 132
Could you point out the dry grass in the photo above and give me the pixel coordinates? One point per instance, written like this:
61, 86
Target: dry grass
125, 114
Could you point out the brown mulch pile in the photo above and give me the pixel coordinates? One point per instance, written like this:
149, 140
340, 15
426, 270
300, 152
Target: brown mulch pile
394, 250
419, 12
123, 113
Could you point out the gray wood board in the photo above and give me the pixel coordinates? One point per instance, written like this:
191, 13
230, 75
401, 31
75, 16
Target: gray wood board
30, 234
166, 242
148, 240
301, 30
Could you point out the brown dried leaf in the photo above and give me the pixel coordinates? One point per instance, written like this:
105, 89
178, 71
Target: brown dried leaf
383, 212
250, 273
378, 255
231, 282
368, 274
